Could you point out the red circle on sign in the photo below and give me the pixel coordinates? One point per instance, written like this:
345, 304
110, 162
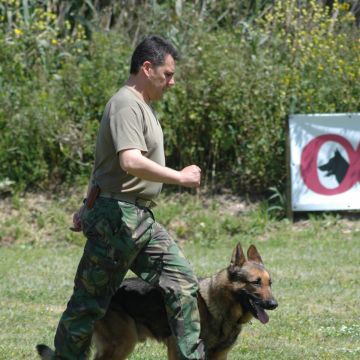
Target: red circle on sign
308, 165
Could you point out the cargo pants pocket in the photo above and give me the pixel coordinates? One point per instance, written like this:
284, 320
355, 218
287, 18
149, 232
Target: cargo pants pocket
115, 241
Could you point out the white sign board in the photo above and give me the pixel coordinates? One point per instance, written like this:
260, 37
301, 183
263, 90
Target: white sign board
325, 161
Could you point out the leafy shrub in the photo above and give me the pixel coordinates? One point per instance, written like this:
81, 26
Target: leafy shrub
236, 85
237, 89
51, 99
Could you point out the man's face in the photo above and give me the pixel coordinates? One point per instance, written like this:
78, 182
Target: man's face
161, 78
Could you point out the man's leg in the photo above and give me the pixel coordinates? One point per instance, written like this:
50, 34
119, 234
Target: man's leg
89, 302
116, 232
162, 264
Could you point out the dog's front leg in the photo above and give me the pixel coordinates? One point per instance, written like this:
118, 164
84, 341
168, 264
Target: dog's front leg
172, 351
219, 355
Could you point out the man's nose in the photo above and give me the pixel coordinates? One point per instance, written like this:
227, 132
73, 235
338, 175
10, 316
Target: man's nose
171, 82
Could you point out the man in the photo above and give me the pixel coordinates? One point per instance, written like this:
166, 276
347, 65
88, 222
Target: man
121, 231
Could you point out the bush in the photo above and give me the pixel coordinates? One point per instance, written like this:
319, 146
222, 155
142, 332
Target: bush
237, 89
51, 100
236, 86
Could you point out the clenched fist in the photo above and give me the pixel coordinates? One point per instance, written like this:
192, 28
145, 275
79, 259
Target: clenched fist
190, 176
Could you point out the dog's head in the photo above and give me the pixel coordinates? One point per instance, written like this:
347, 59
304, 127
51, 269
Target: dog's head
337, 166
250, 283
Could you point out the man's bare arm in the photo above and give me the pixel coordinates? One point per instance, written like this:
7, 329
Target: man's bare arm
133, 162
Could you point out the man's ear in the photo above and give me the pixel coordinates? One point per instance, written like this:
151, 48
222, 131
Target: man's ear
146, 67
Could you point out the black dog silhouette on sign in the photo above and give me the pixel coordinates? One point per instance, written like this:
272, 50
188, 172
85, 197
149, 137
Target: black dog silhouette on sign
337, 166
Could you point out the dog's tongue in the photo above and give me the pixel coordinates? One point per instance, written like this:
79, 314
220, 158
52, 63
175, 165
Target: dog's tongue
262, 315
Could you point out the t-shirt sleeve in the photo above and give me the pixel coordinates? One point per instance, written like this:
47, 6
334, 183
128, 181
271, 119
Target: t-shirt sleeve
127, 129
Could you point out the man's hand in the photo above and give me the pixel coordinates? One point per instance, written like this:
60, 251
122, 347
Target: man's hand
190, 176
77, 225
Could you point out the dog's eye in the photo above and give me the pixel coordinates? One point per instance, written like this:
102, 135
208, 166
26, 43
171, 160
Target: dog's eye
257, 282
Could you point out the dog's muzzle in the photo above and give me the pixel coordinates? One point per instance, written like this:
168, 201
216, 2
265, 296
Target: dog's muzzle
258, 308
269, 304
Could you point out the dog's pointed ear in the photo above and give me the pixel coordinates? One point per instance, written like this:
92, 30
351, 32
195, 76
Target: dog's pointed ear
254, 255
238, 257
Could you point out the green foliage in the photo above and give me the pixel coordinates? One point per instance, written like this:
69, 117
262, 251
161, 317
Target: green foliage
51, 100
237, 89
277, 203
245, 68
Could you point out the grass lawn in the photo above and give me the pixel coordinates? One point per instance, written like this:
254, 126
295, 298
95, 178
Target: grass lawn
314, 265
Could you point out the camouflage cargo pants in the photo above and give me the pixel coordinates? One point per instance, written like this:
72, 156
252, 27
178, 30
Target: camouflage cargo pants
122, 236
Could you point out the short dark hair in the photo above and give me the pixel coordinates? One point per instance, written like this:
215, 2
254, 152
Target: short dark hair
154, 49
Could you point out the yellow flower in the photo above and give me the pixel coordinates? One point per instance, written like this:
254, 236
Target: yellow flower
18, 32
54, 41
344, 6
41, 25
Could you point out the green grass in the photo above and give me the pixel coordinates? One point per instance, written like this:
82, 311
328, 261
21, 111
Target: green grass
314, 265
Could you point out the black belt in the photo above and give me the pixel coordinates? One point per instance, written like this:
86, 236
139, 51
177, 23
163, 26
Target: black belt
130, 198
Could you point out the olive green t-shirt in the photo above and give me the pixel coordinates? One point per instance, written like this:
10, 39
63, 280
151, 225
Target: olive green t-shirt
128, 122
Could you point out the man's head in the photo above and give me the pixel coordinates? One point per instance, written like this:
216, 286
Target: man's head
154, 59
153, 49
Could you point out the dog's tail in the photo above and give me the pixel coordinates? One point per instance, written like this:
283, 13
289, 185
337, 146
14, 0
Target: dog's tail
44, 351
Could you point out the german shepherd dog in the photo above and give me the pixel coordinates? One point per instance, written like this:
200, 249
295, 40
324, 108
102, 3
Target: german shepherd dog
226, 300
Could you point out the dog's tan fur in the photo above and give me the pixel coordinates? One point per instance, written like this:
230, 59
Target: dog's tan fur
222, 312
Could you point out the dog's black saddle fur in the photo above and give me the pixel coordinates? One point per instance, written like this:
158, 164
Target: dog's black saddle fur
145, 304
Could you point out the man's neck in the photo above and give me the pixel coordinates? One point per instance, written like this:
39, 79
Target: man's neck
137, 86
